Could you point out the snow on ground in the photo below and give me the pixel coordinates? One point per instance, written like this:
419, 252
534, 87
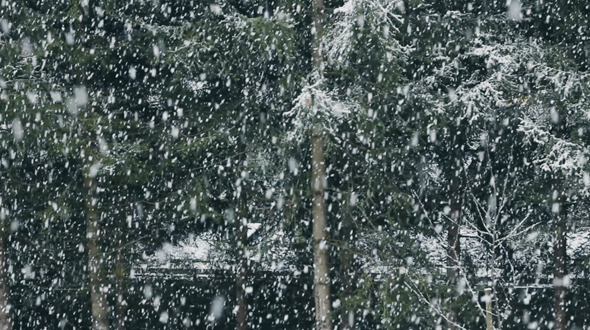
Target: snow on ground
272, 252
208, 251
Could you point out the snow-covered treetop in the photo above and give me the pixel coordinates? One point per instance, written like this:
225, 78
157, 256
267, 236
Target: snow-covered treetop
523, 75
383, 17
316, 103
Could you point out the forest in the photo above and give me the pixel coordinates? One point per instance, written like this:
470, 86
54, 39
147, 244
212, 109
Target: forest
294, 164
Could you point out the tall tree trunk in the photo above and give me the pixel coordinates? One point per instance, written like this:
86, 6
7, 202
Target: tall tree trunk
5, 320
100, 314
454, 246
560, 229
347, 264
323, 304
559, 258
320, 236
242, 261
346, 260
318, 31
121, 269
560, 273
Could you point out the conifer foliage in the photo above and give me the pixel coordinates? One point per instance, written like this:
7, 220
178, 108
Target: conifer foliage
289, 164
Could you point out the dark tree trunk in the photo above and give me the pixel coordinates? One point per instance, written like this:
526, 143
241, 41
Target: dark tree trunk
121, 272
242, 261
100, 314
559, 262
241, 254
560, 229
347, 264
347, 282
5, 320
453, 244
559, 275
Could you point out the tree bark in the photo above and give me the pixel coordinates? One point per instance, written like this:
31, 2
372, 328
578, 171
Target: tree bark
242, 261
489, 314
560, 266
346, 260
320, 235
318, 31
321, 263
120, 282
560, 229
454, 246
100, 313
347, 265
5, 320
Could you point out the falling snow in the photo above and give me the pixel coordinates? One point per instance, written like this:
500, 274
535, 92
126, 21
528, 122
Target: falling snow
345, 164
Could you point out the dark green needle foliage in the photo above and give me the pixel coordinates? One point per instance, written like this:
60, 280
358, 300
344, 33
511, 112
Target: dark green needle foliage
155, 173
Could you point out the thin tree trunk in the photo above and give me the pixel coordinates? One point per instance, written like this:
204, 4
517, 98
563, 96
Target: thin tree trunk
489, 313
560, 228
5, 320
242, 262
347, 264
560, 267
120, 279
100, 314
454, 246
320, 236
347, 321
